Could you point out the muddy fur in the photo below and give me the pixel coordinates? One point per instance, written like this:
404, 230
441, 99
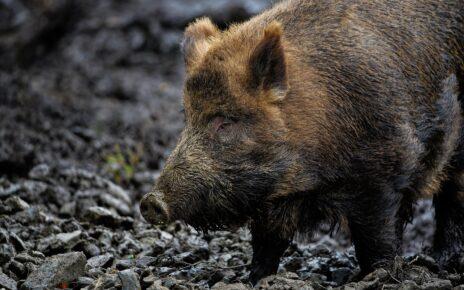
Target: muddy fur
331, 111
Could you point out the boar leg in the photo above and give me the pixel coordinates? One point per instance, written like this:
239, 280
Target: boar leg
374, 229
404, 216
268, 247
449, 214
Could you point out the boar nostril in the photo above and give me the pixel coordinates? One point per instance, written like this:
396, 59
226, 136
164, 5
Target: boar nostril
157, 209
143, 208
153, 208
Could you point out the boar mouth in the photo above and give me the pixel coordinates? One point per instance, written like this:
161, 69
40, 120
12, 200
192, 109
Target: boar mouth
205, 225
156, 211
211, 218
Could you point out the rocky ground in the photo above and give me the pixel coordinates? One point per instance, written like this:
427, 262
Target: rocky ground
89, 108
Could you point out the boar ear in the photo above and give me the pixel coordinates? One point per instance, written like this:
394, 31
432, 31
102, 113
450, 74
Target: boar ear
197, 38
267, 63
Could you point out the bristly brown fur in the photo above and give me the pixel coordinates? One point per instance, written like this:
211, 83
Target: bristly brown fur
267, 63
321, 111
196, 41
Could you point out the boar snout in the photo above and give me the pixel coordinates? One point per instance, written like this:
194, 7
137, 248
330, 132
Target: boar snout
153, 208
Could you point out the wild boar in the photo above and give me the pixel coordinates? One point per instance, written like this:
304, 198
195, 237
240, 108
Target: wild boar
322, 111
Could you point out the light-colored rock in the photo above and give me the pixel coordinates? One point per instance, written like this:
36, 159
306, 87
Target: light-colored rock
6, 282
56, 269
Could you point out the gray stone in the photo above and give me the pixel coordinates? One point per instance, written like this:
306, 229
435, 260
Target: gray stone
17, 242
15, 203
69, 238
116, 203
129, 280
7, 252
106, 238
95, 273
4, 237
37, 254
68, 209
128, 245
32, 190
425, 261
12, 189
124, 264
280, 282
118, 192
91, 250
380, 273
103, 216
59, 242
100, 261
362, 285
437, 284
341, 275
18, 268
157, 285
146, 177
40, 171
84, 281
25, 257
30, 267
145, 261
107, 281
408, 285
224, 286
150, 279
55, 270
32, 215
390, 287
7, 283
455, 278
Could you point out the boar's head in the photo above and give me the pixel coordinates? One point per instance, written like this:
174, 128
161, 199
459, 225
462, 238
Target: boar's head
232, 152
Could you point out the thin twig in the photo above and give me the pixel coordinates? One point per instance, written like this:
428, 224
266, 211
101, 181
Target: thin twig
414, 260
391, 276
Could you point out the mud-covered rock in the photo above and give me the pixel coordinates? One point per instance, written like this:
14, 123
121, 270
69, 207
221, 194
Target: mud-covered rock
56, 269
40, 172
285, 281
15, 204
234, 286
107, 281
103, 216
7, 252
145, 261
437, 284
84, 281
7, 283
129, 280
60, 242
28, 258
100, 261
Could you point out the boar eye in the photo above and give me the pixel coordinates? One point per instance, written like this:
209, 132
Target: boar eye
220, 123
182, 112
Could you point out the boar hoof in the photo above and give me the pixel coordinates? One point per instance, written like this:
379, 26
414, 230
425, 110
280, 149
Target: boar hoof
258, 273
